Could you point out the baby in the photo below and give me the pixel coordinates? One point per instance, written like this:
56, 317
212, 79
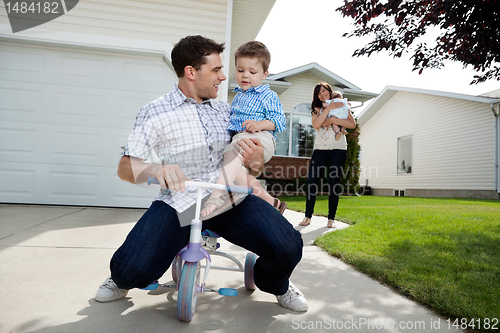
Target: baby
340, 113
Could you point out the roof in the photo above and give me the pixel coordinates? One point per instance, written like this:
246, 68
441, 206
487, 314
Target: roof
279, 84
494, 94
389, 91
318, 71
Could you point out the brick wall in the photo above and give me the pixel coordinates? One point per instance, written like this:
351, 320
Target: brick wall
286, 168
282, 175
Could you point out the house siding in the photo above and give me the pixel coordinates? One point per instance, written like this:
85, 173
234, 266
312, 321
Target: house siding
452, 145
301, 91
165, 21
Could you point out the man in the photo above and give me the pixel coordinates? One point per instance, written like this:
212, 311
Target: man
188, 131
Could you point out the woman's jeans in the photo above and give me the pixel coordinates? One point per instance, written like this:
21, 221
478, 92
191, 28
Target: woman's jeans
331, 161
255, 225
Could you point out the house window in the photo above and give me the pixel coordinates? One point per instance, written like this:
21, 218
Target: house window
405, 154
298, 139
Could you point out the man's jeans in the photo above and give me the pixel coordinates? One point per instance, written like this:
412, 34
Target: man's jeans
253, 224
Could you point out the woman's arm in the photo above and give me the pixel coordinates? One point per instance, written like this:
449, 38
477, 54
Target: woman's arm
347, 123
318, 119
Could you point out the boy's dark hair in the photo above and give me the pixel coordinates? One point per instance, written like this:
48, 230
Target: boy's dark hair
254, 49
317, 103
192, 51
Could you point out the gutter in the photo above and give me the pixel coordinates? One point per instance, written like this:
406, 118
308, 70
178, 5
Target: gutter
494, 109
227, 54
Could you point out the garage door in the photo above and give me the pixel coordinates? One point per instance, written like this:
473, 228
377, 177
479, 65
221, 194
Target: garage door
64, 116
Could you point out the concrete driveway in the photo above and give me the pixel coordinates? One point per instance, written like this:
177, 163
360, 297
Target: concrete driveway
52, 260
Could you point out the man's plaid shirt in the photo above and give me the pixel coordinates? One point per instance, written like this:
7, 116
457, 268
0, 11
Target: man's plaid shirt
182, 132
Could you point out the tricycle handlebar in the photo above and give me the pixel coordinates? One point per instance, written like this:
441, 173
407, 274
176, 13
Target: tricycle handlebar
228, 188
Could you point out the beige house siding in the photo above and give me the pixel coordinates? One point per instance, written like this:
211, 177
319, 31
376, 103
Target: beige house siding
300, 91
165, 21
452, 139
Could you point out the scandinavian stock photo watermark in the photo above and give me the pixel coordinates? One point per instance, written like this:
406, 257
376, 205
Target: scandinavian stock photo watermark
367, 324
27, 14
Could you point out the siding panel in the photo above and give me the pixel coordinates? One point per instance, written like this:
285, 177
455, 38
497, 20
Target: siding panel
165, 21
453, 143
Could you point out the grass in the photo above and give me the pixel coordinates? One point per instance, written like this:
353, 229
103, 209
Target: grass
444, 253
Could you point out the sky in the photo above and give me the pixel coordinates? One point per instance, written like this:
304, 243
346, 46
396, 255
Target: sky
299, 32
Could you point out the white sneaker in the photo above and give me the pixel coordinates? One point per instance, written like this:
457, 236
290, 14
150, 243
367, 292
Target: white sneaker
293, 299
109, 292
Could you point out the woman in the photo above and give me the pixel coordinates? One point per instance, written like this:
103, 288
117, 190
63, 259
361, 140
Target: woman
328, 155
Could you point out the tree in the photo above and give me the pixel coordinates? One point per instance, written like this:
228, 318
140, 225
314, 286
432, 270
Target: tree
469, 31
350, 174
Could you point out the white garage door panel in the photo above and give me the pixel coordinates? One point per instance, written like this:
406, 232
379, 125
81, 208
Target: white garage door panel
17, 60
70, 185
63, 118
20, 101
17, 184
15, 142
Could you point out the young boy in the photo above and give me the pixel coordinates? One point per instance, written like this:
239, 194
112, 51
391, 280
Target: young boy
340, 113
256, 113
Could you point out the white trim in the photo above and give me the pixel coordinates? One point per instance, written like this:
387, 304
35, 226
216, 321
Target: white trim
389, 91
317, 70
78, 41
227, 54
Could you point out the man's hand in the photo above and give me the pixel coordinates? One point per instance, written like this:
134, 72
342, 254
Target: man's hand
135, 171
252, 152
170, 176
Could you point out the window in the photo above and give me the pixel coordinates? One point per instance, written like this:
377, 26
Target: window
298, 139
405, 154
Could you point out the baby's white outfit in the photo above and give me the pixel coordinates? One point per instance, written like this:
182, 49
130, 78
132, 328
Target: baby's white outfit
340, 113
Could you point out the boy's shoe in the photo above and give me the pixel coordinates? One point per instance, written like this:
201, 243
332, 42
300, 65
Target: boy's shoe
109, 292
338, 135
280, 205
293, 299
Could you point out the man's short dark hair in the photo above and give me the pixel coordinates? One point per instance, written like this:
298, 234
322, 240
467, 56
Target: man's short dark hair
192, 51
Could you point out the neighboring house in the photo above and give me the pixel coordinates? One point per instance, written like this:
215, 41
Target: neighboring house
70, 90
294, 146
429, 143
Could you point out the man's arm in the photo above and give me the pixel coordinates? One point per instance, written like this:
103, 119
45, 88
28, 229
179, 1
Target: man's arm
125, 170
135, 171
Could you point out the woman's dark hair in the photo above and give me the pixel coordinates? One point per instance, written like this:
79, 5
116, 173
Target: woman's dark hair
317, 103
192, 51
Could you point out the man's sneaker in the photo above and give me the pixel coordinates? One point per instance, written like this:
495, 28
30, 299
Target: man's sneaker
293, 299
109, 292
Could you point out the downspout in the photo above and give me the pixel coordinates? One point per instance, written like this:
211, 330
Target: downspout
497, 146
227, 54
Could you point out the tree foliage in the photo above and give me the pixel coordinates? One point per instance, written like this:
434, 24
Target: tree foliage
468, 31
351, 170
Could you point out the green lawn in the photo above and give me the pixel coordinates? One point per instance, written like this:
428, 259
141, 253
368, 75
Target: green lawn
444, 253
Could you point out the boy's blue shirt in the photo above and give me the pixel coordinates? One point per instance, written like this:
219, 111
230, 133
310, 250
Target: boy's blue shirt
257, 103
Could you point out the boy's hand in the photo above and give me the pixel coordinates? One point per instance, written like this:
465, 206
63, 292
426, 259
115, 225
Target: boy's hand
252, 126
